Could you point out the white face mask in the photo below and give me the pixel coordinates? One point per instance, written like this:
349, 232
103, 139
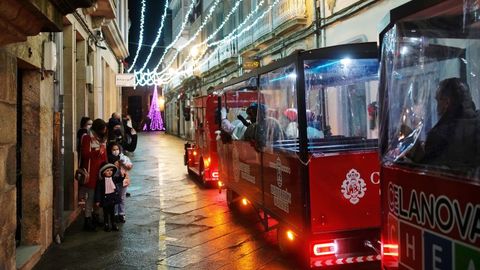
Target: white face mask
129, 123
116, 152
89, 126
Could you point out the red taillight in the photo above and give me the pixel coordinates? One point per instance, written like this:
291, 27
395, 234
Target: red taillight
390, 255
390, 250
323, 249
194, 153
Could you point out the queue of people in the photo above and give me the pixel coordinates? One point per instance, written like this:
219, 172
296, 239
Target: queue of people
266, 128
102, 148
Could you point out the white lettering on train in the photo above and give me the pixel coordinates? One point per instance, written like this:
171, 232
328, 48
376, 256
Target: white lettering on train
245, 172
281, 198
375, 178
436, 212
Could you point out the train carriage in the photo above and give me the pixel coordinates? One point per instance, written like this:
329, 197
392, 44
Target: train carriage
430, 139
201, 156
312, 166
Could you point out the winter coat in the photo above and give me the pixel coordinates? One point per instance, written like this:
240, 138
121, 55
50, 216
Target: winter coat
108, 199
94, 154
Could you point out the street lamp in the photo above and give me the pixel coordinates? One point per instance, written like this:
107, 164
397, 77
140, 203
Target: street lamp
161, 103
194, 51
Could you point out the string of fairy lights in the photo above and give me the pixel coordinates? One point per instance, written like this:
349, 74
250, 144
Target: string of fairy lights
140, 38
212, 35
157, 38
166, 75
192, 61
199, 30
182, 28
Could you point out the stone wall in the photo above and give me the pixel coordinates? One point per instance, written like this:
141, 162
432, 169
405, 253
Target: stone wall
8, 116
37, 190
36, 152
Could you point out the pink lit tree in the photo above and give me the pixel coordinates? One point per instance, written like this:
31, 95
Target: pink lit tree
154, 114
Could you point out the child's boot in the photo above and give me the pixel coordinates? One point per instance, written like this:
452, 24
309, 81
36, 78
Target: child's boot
88, 225
107, 224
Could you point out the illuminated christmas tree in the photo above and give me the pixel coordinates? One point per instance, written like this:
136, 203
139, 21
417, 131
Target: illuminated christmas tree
154, 114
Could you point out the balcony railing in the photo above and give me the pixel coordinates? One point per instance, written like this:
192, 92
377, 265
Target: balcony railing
195, 25
212, 61
284, 12
227, 50
287, 10
263, 27
178, 20
204, 67
245, 39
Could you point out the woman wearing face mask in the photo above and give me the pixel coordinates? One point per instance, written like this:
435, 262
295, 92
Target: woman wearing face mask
93, 155
85, 125
118, 136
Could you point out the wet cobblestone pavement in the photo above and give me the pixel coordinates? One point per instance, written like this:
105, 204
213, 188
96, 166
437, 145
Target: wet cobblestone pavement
172, 223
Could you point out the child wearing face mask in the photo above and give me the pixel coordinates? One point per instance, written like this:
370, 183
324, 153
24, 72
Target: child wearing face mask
123, 164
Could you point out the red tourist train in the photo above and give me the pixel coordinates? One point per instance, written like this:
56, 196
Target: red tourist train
201, 156
311, 164
430, 136
308, 160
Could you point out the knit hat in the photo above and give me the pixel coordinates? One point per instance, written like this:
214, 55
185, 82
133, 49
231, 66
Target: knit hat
291, 114
106, 166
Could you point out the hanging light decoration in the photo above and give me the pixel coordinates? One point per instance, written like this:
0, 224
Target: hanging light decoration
199, 31
140, 39
182, 27
154, 113
162, 77
157, 38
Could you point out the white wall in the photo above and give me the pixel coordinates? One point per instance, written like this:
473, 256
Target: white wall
363, 26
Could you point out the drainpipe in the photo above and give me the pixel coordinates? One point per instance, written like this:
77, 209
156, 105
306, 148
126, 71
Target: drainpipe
317, 21
324, 37
58, 159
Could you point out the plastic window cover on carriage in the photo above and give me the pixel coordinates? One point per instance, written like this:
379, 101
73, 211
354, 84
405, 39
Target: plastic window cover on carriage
341, 98
277, 122
431, 69
236, 99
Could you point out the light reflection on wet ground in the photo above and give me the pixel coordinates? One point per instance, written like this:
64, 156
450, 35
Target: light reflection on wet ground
172, 222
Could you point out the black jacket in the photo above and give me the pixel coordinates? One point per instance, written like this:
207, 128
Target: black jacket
103, 199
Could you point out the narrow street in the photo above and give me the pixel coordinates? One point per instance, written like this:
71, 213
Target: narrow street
172, 223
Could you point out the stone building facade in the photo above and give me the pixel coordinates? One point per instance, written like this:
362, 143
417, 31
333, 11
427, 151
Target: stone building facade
41, 102
288, 26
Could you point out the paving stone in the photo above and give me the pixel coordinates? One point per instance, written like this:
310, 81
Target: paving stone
172, 223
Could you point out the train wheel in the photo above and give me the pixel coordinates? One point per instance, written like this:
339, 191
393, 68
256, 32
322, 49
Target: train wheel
202, 172
190, 172
291, 244
232, 199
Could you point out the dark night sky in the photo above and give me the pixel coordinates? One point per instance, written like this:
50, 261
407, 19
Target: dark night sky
153, 16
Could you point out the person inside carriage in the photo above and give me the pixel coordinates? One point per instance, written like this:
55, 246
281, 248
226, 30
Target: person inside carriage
291, 130
454, 141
